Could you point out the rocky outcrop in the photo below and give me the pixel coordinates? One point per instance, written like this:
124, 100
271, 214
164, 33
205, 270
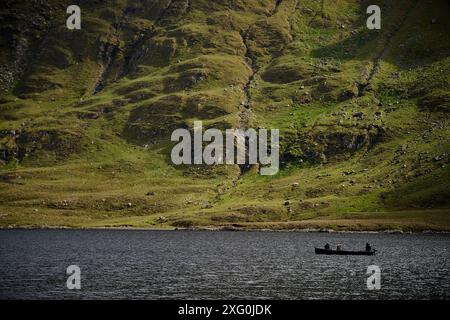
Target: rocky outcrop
325, 143
19, 145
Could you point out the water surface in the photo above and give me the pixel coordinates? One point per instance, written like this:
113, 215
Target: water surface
133, 264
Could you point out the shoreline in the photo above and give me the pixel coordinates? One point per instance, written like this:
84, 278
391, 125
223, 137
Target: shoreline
227, 228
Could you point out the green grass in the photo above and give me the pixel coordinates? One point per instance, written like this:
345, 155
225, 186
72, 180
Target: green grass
81, 158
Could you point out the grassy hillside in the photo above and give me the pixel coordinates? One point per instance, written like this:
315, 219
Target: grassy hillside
86, 115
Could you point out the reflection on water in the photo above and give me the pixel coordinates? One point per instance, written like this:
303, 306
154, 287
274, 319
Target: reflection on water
135, 264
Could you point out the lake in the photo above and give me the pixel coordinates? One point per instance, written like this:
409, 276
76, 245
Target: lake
137, 264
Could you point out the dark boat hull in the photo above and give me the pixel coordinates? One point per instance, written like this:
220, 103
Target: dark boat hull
343, 252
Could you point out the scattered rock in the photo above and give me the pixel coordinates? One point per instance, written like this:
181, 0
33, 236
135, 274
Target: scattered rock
378, 115
206, 205
402, 149
347, 94
359, 115
342, 113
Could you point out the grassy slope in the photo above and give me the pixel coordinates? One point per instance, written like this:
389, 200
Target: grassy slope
102, 160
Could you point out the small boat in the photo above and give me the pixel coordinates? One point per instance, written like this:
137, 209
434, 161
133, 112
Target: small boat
345, 252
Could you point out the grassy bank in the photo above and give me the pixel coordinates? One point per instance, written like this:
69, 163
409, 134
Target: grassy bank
405, 221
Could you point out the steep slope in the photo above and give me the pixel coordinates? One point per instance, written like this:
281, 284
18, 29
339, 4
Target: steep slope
86, 115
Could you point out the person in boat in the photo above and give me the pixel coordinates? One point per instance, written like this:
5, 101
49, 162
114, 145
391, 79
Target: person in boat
338, 248
368, 247
327, 246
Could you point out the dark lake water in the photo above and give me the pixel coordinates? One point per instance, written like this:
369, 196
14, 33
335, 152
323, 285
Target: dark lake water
136, 264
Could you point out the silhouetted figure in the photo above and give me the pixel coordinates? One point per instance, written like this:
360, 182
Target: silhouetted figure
368, 247
338, 248
327, 247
